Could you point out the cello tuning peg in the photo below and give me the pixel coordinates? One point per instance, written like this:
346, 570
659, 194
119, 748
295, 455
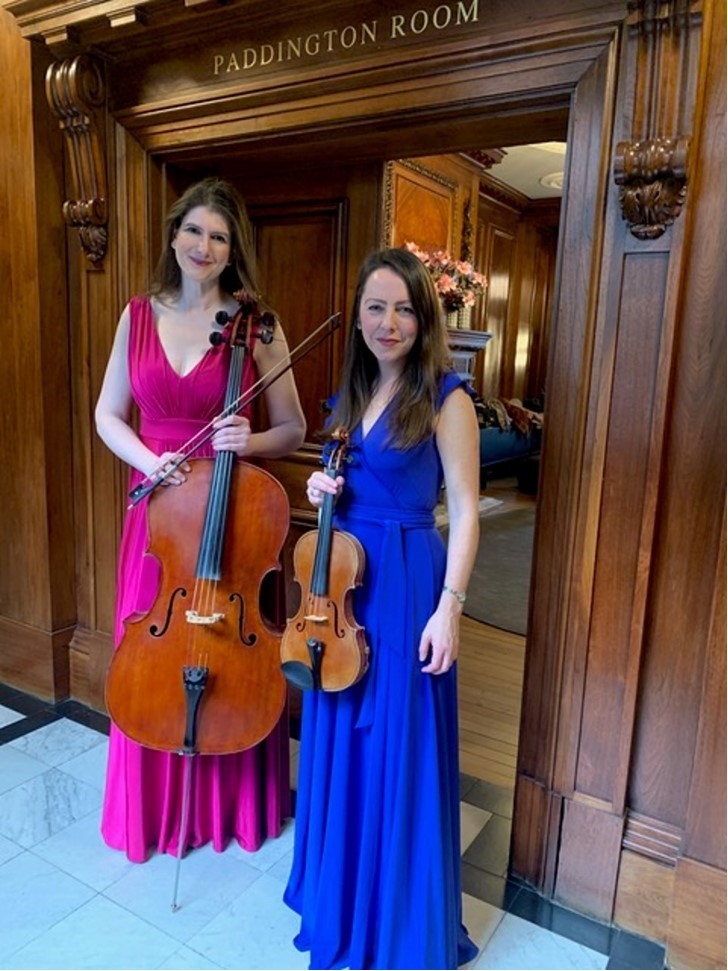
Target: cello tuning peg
222, 317
216, 338
267, 326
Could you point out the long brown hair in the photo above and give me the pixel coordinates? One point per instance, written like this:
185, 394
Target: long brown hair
415, 404
224, 199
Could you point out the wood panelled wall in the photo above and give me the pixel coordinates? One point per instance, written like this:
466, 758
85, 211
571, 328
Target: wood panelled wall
621, 769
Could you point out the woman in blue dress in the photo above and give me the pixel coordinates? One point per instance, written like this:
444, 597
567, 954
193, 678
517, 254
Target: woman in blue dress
376, 867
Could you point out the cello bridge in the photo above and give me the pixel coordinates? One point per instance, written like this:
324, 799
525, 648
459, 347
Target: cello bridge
194, 618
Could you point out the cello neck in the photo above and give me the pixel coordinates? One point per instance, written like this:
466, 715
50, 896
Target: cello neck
209, 556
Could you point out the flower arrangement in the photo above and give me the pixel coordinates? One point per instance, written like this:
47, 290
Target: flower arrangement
456, 281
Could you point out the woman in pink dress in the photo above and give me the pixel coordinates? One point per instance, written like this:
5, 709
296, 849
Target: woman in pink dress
163, 362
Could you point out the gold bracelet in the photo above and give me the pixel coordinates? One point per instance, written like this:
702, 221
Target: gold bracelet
458, 594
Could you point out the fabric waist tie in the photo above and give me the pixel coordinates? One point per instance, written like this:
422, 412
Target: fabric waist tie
165, 429
390, 590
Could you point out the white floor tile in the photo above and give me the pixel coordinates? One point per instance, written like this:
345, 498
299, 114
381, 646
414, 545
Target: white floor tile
58, 742
44, 805
481, 921
270, 853
188, 960
16, 768
208, 882
80, 851
34, 895
8, 716
255, 931
8, 850
521, 945
472, 820
90, 766
98, 935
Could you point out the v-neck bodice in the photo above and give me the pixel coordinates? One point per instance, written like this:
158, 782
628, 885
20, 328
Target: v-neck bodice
169, 402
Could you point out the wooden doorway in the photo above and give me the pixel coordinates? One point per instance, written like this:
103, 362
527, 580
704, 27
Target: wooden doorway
341, 169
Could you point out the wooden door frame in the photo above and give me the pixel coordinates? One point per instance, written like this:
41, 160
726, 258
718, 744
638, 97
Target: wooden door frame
575, 74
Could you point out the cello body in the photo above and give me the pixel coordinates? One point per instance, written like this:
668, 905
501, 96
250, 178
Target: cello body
207, 614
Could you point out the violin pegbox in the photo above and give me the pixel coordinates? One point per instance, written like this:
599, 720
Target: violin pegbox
336, 452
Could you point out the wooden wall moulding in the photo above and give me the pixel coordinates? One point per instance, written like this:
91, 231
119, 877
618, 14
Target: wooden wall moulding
74, 88
415, 195
651, 169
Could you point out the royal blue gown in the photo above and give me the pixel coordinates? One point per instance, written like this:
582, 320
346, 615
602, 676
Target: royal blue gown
376, 866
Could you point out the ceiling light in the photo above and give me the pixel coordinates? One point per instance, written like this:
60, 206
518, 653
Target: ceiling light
555, 180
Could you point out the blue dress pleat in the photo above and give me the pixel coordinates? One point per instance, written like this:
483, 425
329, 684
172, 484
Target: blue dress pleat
376, 866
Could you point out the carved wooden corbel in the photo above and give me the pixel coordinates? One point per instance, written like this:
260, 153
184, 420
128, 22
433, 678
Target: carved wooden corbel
73, 89
652, 168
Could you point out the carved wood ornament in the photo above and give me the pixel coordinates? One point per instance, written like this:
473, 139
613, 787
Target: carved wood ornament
652, 168
73, 89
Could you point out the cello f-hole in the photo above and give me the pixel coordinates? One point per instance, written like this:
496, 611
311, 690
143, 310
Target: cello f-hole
154, 630
248, 641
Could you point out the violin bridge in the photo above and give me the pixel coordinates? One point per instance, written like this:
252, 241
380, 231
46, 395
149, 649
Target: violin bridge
194, 618
316, 618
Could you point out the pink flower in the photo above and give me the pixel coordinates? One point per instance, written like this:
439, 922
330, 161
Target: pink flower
456, 281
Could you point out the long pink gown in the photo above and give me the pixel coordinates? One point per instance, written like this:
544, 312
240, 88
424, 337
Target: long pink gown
245, 796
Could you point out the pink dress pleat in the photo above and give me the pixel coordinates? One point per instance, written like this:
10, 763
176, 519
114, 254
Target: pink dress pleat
245, 796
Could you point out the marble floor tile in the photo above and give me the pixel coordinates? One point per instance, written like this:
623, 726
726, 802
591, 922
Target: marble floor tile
270, 853
255, 931
472, 820
80, 852
8, 716
68, 901
43, 805
208, 882
481, 921
34, 895
90, 766
100, 934
16, 768
188, 960
518, 944
58, 742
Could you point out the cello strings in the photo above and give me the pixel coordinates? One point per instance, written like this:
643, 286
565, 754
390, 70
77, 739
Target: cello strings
159, 474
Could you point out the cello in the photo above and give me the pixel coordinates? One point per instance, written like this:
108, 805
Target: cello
198, 672
323, 648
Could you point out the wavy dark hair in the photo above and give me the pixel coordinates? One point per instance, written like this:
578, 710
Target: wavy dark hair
224, 199
415, 404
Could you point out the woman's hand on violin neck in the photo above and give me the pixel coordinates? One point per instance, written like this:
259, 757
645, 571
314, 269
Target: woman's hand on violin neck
163, 463
232, 434
319, 484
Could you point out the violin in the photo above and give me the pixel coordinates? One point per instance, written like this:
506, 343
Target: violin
199, 672
323, 648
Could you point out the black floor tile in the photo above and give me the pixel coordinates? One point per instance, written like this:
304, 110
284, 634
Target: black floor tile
553, 917
496, 891
22, 703
633, 953
28, 724
466, 784
496, 799
77, 712
490, 849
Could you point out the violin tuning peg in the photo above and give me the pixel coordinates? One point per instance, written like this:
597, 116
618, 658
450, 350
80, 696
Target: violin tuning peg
216, 338
222, 317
